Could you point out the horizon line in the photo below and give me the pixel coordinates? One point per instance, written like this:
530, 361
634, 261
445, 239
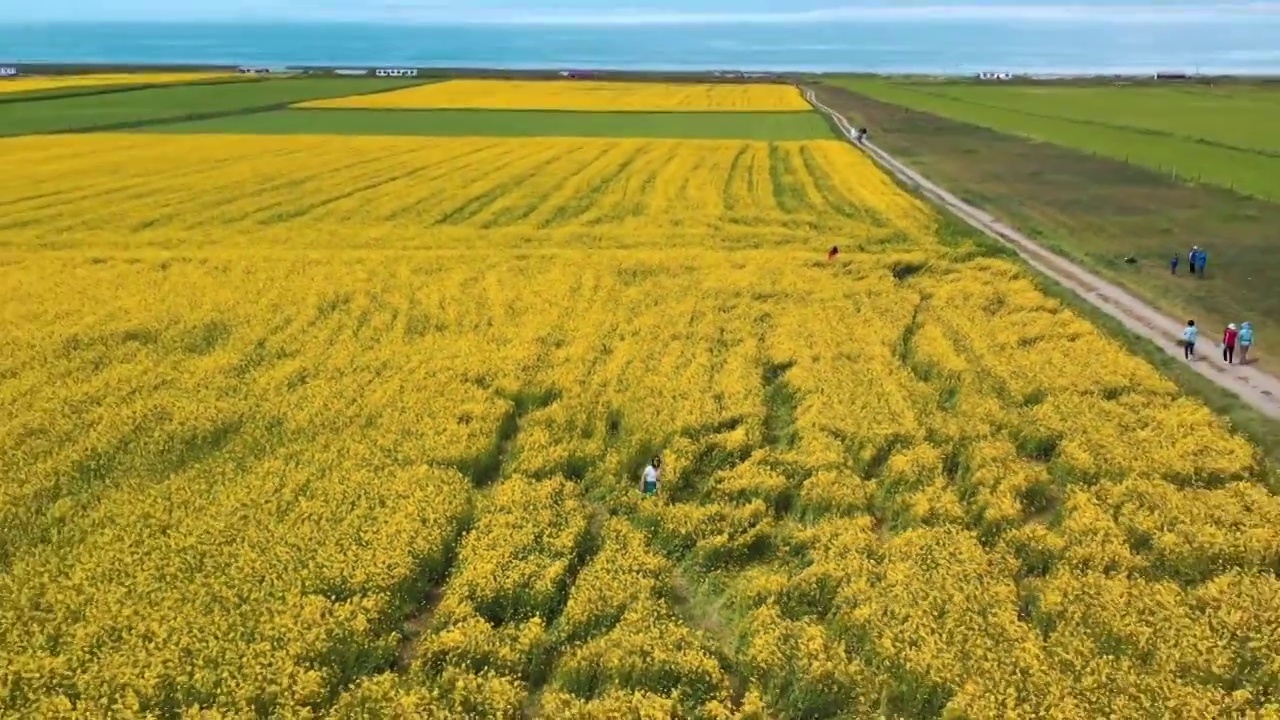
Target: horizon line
400, 13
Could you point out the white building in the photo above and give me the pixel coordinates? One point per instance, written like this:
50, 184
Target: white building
396, 72
995, 76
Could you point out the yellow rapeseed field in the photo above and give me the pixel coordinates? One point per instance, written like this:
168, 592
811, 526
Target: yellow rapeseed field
25, 83
353, 427
581, 96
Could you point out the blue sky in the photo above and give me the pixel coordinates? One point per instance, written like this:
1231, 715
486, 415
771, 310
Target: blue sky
633, 11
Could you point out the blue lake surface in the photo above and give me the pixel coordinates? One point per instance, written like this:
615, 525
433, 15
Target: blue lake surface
921, 45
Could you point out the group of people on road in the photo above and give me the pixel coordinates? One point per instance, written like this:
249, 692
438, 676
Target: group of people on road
1196, 260
1233, 337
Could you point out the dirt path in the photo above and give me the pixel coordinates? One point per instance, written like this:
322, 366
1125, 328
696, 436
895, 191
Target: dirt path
1255, 387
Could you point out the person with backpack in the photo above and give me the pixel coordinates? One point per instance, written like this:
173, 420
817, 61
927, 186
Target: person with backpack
1245, 340
1189, 335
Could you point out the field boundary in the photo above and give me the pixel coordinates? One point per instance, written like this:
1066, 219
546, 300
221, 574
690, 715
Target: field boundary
1256, 388
33, 96
307, 106
145, 122
1151, 132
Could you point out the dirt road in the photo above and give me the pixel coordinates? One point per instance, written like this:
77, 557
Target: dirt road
1255, 387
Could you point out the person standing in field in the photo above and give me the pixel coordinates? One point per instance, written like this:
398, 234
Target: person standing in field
1193, 258
1189, 335
1229, 343
1204, 258
652, 474
1245, 341
1173, 265
832, 253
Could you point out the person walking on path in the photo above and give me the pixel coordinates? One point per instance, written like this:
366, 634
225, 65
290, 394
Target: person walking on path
1173, 265
1245, 340
1229, 343
1189, 335
652, 474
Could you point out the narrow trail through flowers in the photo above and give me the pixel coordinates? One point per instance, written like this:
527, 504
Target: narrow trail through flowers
1259, 389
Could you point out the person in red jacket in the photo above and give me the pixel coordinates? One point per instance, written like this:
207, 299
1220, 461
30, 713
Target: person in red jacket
1229, 343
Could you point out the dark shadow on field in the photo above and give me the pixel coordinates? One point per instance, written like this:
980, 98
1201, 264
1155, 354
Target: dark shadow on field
1097, 210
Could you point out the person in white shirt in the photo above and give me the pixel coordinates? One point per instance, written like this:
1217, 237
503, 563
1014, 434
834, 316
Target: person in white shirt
1189, 335
652, 474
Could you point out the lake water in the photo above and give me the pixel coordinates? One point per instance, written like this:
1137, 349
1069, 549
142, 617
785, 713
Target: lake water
941, 46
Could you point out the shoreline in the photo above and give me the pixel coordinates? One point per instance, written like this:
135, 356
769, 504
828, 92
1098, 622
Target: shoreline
355, 70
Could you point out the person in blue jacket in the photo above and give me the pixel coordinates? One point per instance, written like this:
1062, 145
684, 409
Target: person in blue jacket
1204, 258
1245, 341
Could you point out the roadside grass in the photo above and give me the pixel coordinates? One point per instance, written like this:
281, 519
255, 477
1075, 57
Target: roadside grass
772, 126
1260, 429
1236, 116
1219, 136
124, 110
1097, 211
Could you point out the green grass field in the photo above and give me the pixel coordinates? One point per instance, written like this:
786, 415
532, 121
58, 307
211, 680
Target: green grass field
82, 90
1097, 210
496, 123
121, 110
1216, 135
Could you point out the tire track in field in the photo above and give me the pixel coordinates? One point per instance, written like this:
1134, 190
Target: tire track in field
1152, 132
577, 199
728, 197
634, 189
1260, 390
280, 193
406, 168
498, 184
470, 177
420, 177
111, 198
535, 196
474, 161
831, 194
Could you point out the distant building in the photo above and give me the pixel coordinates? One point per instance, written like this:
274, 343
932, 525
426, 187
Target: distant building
1172, 76
995, 76
396, 72
255, 71
8, 72
351, 71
